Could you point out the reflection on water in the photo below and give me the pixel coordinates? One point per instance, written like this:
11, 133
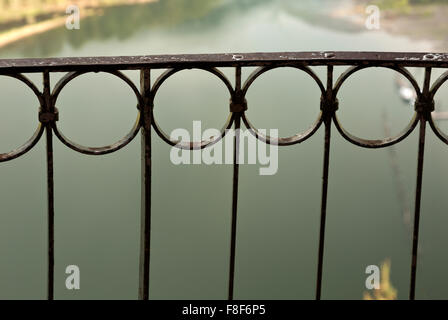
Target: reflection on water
175, 17
98, 198
119, 23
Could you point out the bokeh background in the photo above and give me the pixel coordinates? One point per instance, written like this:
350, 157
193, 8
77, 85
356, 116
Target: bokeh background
97, 206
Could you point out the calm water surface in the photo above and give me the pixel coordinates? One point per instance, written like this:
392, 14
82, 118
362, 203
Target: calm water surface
98, 198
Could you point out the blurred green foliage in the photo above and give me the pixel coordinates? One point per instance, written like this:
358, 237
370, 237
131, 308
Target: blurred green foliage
19, 12
114, 22
402, 4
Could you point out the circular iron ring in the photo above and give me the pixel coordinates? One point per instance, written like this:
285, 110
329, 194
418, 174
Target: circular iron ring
28, 145
379, 143
435, 87
190, 145
297, 138
97, 150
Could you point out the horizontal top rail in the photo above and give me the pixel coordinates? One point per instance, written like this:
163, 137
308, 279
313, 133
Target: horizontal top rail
404, 59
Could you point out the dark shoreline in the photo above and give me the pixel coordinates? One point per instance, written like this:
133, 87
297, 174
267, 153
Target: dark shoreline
15, 30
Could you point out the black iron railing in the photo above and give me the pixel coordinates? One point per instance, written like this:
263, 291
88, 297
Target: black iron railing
75, 67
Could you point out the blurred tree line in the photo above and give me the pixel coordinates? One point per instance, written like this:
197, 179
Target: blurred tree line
121, 22
407, 3
18, 12
427, 1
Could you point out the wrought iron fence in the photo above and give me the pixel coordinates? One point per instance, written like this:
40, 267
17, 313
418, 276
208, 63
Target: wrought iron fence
356, 61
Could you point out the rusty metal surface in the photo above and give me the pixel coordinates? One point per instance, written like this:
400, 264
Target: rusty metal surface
418, 59
424, 107
145, 221
47, 117
328, 103
48, 108
236, 155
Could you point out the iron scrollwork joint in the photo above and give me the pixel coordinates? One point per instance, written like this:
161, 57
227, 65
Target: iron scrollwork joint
238, 102
424, 105
329, 105
46, 116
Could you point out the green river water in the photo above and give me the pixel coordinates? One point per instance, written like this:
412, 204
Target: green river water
97, 199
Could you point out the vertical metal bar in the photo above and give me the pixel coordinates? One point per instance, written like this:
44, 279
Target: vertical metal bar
418, 192
328, 113
145, 88
236, 154
48, 106
418, 189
